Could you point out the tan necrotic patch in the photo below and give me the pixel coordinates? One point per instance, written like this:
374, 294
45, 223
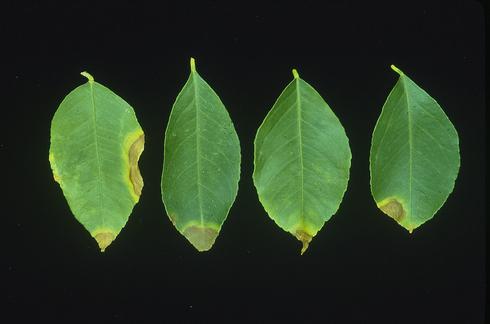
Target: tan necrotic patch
202, 238
394, 209
305, 239
134, 172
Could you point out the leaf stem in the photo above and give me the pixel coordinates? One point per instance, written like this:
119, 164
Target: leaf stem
88, 76
295, 74
193, 65
397, 70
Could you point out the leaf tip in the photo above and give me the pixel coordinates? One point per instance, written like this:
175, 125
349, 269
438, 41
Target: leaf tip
104, 239
397, 70
89, 77
201, 237
295, 74
304, 238
193, 64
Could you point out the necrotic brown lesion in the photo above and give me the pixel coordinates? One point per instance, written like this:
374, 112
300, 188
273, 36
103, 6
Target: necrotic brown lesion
201, 237
394, 209
134, 172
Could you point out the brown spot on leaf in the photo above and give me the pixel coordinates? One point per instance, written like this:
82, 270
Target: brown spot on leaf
134, 172
305, 238
201, 237
104, 239
394, 209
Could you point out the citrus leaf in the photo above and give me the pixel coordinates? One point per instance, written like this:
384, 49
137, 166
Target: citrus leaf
414, 158
302, 161
96, 143
201, 165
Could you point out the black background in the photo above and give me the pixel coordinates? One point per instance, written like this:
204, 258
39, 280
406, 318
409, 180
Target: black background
361, 267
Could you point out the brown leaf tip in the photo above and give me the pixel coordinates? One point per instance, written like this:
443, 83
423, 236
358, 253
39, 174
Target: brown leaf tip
104, 239
134, 172
305, 239
202, 238
394, 209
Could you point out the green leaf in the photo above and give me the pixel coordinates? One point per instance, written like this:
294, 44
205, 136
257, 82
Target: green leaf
201, 165
414, 158
302, 161
96, 143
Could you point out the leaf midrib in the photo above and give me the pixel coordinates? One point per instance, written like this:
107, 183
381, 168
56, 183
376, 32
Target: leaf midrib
410, 145
94, 120
300, 149
198, 149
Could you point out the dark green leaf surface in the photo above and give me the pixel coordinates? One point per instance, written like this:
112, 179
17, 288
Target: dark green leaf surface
414, 158
96, 142
302, 161
201, 165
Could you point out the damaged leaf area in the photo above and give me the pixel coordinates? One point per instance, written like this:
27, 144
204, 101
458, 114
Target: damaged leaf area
96, 142
414, 159
302, 161
393, 208
201, 236
201, 167
136, 147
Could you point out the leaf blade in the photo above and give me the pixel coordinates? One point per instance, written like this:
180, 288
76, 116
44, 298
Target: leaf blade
96, 142
414, 159
201, 166
294, 167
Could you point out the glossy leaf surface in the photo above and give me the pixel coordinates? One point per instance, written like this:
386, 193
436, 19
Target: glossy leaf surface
414, 158
201, 163
302, 161
96, 142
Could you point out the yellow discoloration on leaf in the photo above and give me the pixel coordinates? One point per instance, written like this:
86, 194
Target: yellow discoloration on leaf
104, 237
173, 218
134, 172
56, 177
133, 147
201, 237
